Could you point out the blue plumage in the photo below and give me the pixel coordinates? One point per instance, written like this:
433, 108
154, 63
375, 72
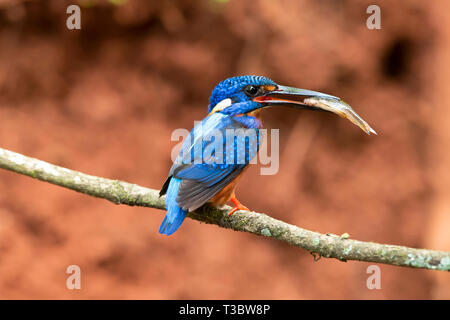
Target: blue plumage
175, 215
205, 173
232, 88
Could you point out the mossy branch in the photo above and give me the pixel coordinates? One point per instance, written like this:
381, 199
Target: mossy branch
321, 245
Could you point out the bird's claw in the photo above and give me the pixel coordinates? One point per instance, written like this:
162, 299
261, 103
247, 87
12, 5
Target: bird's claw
241, 207
237, 206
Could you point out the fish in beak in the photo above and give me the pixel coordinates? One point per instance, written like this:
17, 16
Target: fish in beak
307, 99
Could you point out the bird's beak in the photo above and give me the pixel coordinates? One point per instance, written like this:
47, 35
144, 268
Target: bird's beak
307, 99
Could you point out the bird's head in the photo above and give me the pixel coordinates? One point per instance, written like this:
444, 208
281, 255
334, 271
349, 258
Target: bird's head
245, 94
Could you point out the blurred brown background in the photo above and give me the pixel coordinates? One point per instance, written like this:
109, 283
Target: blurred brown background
105, 99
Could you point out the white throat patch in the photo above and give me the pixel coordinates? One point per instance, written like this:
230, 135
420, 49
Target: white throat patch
222, 105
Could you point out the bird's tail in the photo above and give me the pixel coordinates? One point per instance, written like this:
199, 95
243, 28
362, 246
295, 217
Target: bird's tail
175, 215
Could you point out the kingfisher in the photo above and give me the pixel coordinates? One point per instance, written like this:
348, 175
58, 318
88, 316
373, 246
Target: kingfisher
210, 163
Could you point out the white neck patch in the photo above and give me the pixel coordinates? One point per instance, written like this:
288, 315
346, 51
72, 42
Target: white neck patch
222, 105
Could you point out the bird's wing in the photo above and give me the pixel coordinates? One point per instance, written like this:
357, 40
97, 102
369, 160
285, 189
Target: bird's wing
201, 177
192, 194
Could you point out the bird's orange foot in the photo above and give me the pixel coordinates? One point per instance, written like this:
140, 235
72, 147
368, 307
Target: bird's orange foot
237, 206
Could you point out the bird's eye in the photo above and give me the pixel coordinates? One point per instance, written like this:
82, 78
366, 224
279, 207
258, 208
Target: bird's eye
251, 90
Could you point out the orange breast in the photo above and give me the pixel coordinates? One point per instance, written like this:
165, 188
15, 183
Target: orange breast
225, 194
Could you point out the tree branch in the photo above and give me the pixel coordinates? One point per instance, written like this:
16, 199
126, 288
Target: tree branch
321, 245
